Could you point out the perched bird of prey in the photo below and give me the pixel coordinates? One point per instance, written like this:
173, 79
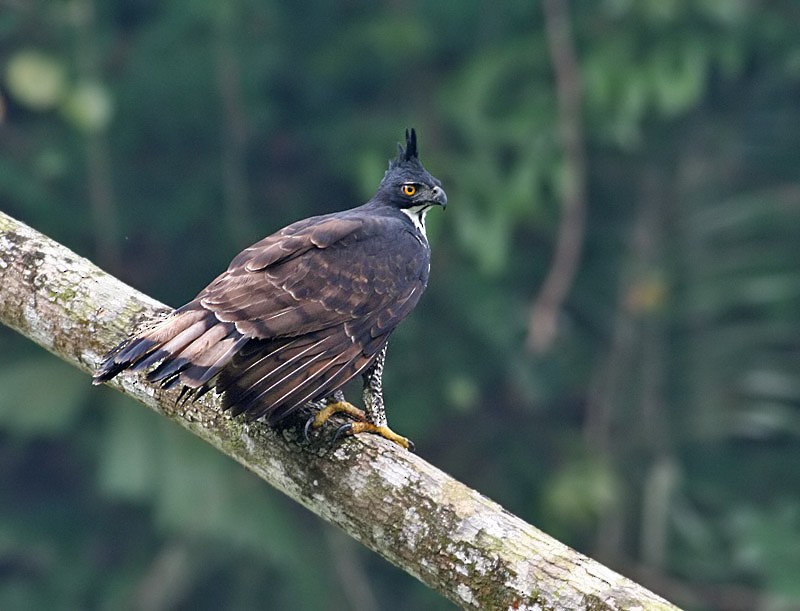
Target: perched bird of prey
302, 312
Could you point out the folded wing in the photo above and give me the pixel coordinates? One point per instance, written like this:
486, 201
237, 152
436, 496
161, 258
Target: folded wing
293, 318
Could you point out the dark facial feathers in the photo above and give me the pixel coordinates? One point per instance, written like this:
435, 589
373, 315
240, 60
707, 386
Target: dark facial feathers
406, 167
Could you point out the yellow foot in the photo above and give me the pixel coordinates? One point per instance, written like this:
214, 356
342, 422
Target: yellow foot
339, 407
353, 428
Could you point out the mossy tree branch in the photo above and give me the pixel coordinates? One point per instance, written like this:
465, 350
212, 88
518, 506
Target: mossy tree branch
451, 538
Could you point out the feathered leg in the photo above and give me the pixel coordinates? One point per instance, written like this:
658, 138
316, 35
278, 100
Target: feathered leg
372, 419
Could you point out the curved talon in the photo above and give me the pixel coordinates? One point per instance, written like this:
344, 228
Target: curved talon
307, 427
359, 425
344, 430
318, 419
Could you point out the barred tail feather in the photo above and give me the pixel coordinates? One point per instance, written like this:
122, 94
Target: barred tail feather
120, 358
190, 347
271, 379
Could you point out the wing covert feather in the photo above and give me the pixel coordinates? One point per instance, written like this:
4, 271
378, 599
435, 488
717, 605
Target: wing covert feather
339, 271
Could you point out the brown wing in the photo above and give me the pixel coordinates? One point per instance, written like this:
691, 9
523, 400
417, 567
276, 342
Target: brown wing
294, 318
318, 318
296, 281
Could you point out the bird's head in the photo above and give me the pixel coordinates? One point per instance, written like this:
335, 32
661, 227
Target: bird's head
409, 186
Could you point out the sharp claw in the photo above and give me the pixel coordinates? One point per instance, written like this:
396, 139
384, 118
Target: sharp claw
358, 425
343, 430
307, 428
411, 446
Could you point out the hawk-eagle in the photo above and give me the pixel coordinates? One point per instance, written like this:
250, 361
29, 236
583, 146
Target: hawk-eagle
302, 312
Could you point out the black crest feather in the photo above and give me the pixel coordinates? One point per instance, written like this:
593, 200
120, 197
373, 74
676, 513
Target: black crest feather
409, 153
411, 145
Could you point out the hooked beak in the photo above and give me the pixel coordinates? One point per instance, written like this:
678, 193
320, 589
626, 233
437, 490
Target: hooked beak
439, 196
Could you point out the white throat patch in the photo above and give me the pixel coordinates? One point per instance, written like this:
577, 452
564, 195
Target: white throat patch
417, 216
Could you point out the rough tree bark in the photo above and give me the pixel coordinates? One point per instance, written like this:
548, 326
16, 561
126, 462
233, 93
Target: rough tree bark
450, 537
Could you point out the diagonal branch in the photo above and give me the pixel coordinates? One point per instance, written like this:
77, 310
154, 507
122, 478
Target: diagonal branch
448, 536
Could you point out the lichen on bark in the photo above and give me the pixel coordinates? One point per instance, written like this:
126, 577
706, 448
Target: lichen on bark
450, 537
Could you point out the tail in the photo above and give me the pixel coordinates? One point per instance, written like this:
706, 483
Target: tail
192, 345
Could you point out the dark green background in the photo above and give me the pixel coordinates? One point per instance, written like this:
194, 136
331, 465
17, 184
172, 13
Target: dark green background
660, 433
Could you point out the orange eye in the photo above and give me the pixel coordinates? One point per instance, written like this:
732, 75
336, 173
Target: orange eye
409, 190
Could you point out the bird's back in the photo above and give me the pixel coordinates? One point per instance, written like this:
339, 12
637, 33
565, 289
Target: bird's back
302, 312
286, 325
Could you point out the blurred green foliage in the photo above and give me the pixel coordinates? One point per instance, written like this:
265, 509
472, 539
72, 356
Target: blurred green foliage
659, 433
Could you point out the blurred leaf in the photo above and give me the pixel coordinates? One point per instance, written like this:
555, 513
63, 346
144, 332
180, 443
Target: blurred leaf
89, 107
462, 393
129, 460
766, 544
35, 79
581, 492
28, 405
194, 489
678, 76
